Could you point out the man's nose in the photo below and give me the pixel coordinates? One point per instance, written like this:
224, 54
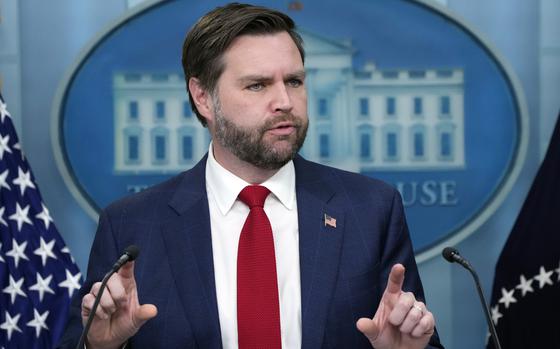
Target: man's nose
281, 99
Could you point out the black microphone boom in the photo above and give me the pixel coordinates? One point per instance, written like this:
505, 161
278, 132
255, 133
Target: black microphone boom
130, 253
453, 256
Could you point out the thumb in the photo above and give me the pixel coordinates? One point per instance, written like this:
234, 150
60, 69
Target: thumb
369, 328
144, 313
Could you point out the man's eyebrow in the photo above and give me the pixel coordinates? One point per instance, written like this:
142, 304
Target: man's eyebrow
254, 78
300, 74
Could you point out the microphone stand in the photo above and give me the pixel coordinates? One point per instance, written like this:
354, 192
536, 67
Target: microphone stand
493, 333
452, 256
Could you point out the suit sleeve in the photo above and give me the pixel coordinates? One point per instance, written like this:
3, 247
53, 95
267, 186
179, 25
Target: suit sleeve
104, 253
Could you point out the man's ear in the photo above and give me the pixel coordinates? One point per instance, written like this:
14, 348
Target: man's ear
202, 99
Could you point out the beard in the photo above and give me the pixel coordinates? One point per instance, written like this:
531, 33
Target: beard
249, 145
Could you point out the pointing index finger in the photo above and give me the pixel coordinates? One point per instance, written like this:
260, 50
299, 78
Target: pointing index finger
127, 271
396, 279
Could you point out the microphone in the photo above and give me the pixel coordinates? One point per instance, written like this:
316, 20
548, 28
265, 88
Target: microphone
452, 255
130, 253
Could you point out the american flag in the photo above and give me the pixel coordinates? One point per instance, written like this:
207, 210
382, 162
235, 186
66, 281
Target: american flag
525, 298
38, 276
330, 221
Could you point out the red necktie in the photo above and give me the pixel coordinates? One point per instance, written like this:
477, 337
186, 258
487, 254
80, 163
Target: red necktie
258, 309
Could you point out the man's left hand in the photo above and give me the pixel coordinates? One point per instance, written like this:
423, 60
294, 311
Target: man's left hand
400, 321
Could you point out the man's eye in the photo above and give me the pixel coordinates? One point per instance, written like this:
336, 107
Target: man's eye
256, 87
295, 82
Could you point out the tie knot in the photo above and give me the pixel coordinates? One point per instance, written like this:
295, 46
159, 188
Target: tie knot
254, 195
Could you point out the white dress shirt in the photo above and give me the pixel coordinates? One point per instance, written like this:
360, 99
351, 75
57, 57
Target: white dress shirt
227, 216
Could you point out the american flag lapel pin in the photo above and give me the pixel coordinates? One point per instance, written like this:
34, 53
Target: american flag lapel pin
330, 221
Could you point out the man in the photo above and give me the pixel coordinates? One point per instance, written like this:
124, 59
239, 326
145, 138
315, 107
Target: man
321, 265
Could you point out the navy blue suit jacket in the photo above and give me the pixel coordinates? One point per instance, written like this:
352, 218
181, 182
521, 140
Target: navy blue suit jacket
344, 270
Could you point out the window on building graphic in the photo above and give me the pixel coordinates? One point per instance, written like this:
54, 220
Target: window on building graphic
186, 148
186, 144
417, 74
446, 140
391, 142
418, 145
365, 146
324, 146
444, 105
362, 74
132, 77
160, 77
392, 145
391, 106
132, 143
445, 150
133, 110
444, 73
417, 142
160, 110
160, 146
133, 148
418, 106
160, 143
390, 74
187, 111
364, 106
323, 107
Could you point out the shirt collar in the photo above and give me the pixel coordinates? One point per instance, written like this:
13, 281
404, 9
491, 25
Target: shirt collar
224, 186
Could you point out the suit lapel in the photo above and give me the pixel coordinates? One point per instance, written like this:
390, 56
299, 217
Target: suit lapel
189, 246
319, 248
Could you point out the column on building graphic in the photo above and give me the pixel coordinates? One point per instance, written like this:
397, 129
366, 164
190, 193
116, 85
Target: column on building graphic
155, 128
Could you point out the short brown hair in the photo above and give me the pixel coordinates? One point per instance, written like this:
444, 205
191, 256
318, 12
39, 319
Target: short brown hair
212, 35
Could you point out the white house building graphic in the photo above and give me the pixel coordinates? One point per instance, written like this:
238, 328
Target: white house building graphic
361, 120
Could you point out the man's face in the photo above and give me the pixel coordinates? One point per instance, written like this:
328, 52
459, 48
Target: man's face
260, 103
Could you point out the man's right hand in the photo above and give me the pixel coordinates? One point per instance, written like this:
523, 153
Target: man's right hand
119, 315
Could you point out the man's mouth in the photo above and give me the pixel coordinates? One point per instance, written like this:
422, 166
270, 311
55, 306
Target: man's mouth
282, 129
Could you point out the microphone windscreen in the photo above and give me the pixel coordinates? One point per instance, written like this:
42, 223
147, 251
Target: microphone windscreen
132, 251
448, 253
